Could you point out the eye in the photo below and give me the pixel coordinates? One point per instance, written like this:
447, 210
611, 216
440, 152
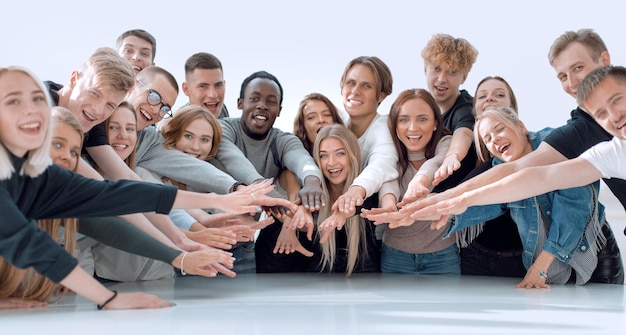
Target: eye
113, 127
203, 86
366, 85
481, 97
272, 102
254, 99
188, 136
205, 140
323, 156
94, 94
403, 120
56, 145
145, 54
39, 98
127, 51
500, 95
310, 117
131, 129
219, 85
423, 119
341, 153
487, 139
74, 153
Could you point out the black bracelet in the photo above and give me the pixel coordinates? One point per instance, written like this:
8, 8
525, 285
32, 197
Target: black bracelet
235, 186
100, 307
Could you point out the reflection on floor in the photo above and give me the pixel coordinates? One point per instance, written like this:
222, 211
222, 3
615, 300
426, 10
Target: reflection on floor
323, 304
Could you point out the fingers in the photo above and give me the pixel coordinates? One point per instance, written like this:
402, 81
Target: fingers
309, 231
303, 251
326, 235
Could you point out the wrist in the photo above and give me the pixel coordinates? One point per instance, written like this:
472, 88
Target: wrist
106, 302
235, 186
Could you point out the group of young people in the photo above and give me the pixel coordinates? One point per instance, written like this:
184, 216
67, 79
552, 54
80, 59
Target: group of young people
349, 190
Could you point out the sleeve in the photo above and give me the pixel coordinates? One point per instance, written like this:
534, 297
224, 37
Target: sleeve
297, 159
390, 186
231, 157
576, 136
201, 175
381, 159
463, 118
431, 165
182, 219
120, 234
24, 245
67, 194
608, 157
475, 215
571, 211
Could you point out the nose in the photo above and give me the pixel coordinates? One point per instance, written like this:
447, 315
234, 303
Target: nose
195, 145
321, 119
412, 125
122, 134
212, 92
572, 83
442, 77
616, 116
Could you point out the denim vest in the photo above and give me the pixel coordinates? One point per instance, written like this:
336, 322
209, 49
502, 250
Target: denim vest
573, 215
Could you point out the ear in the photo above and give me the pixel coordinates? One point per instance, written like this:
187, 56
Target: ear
240, 103
381, 97
464, 78
74, 78
605, 58
522, 128
279, 109
185, 88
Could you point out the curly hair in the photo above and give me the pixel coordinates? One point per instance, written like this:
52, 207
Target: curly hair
457, 53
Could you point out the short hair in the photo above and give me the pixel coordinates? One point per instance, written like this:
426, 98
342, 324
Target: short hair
62, 115
355, 226
587, 37
131, 159
144, 35
298, 122
111, 70
508, 87
38, 159
595, 78
148, 75
392, 123
175, 128
263, 75
382, 73
457, 53
202, 60
504, 114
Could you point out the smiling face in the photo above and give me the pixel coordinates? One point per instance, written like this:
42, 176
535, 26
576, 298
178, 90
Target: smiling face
24, 113
607, 105
206, 88
503, 141
137, 51
573, 64
334, 162
316, 116
147, 114
492, 92
443, 83
122, 132
416, 124
196, 139
260, 106
65, 146
90, 103
359, 92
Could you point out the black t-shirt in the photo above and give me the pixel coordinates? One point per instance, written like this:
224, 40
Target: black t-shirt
460, 116
499, 234
95, 136
579, 134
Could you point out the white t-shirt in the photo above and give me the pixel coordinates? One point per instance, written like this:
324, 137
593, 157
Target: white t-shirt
608, 157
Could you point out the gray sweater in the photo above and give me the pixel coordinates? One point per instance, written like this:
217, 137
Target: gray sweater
247, 159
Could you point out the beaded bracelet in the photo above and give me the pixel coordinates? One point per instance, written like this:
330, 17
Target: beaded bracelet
100, 307
542, 274
182, 264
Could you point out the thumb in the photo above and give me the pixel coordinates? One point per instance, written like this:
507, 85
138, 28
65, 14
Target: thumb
304, 251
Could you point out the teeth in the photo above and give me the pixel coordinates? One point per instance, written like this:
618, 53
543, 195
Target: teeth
91, 118
334, 170
146, 115
355, 102
33, 125
119, 146
414, 137
261, 117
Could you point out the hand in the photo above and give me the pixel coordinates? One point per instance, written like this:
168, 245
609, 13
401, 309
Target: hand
218, 220
533, 280
311, 194
187, 244
418, 188
450, 164
249, 199
303, 218
14, 303
334, 221
207, 263
384, 215
347, 202
288, 243
242, 233
214, 237
136, 300
429, 204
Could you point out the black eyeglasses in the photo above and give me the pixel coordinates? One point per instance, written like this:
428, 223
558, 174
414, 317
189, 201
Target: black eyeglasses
154, 99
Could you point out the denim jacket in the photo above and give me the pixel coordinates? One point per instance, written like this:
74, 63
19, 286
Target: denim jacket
573, 217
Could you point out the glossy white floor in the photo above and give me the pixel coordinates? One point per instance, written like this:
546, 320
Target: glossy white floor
332, 304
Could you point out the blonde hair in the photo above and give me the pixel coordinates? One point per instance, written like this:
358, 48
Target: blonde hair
503, 114
27, 283
355, 225
175, 128
456, 53
110, 70
38, 159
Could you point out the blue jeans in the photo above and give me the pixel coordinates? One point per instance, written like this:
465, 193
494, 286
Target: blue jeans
245, 261
446, 261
